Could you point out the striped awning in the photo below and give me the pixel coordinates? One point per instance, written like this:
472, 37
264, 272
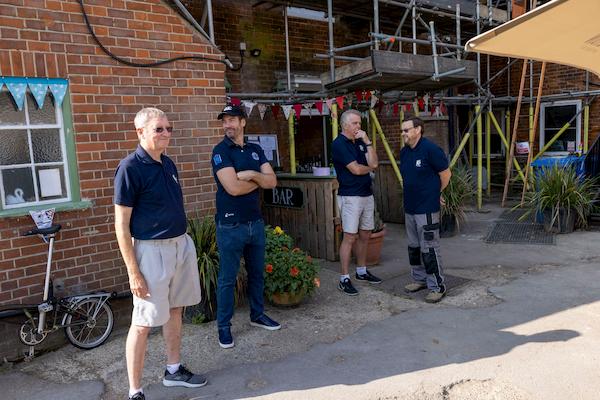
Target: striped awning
561, 31
17, 87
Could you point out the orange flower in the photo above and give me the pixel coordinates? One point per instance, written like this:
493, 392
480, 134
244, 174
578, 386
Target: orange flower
317, 282
295, 250
294, 271
309, 258
284, 248
269, 268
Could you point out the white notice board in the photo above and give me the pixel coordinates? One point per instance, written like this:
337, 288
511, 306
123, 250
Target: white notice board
268, 142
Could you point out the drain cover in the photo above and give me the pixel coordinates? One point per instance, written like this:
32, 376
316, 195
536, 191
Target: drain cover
518, 232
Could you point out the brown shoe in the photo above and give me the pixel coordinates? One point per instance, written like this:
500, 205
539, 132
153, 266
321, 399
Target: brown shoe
434, 297
414, 287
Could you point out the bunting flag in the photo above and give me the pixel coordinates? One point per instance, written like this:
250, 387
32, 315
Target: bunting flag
297, 110
407, 107
374, 100
396, 108
38, 88
309, 105
235, 101
249, 106
286, 110
426, 100
340, 102
437, 111
421, 104
319, 105
443, 108
275, 110
359, 95
17, 87
368, 94
262, 109
58, 87
329, 103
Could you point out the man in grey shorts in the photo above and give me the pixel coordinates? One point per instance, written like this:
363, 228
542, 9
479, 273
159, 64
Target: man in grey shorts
354, 159
161, 259
425, 173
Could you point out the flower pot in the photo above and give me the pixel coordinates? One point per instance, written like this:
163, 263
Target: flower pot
287, 299
448, 225
565, 223
374, 247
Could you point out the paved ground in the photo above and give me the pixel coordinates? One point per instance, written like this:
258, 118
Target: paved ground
524, 324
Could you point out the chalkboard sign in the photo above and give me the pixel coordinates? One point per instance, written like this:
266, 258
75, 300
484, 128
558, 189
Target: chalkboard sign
287, 197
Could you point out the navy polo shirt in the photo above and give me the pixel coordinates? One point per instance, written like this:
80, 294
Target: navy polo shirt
250, 156
152, 189
343, 152
420, 168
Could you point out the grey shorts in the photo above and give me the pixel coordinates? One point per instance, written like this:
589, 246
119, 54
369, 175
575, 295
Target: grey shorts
357, 212
170, 268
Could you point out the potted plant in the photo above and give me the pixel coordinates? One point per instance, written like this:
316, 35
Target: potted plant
455, 196
563, 197
203, 232
290, 274
376, 240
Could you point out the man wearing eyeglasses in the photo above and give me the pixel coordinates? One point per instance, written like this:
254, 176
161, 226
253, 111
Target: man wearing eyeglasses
425, 173
240, 169
161, 260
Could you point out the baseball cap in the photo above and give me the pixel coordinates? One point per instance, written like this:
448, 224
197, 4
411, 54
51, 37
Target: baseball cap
234, 111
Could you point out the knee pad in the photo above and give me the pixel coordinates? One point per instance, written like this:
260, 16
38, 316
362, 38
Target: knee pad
414, 255
430, 261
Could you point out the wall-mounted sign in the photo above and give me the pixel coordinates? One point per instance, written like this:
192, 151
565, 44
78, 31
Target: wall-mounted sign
288, 197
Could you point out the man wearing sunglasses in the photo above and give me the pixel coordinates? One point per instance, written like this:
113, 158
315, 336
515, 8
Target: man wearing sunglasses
425, 173
240, 168
161, 260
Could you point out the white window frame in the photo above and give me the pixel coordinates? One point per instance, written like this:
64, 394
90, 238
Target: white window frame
542, 142
60, 125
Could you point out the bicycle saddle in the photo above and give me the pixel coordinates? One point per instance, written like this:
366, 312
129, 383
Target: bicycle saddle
43, 231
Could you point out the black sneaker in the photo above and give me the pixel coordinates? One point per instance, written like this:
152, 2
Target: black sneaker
368, 277
183, 377
225, 338
266, 323
137, 396
346, 287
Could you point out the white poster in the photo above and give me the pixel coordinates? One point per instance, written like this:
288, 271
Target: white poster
50, 183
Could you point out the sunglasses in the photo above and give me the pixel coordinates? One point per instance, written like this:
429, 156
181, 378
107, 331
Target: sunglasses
160, 129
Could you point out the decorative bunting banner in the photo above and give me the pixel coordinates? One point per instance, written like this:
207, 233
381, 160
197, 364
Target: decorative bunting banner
319, 105
275, 110
396, 108
426, 100
443, 108
249, 106
236, 101
368, 94
58, 87
286, 110
38, 87
359, 95
298, 110
17, 88
374, 100
309, 105
340, 102
329, 103
262, 109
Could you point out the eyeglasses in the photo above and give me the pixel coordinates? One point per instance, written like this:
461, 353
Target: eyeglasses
407, 130
160, 129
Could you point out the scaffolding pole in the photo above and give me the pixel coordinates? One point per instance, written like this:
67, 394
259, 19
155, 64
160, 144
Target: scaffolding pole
292, 143
386, 146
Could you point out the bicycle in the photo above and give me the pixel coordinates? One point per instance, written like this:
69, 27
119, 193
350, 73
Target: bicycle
87, 319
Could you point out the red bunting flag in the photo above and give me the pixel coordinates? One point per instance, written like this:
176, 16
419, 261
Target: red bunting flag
367, 95
443, 108
396, 108
340, 101
235, 101
358, 94
298, 109
275, 110
319, 105
421, 103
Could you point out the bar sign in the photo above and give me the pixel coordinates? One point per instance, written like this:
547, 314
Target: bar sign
287, 197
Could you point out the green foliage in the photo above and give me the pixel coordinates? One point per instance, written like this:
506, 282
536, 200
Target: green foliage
203, 232
287, 268
560, 187
198, 319
458, 192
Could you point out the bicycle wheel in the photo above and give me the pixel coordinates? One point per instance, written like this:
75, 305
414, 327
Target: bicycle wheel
84, 330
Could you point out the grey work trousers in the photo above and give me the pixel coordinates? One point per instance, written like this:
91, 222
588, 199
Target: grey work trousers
423, 233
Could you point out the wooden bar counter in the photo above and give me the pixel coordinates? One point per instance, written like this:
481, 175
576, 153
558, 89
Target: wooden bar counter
303, 205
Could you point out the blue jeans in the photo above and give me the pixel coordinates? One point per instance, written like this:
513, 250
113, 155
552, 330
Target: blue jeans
234, 241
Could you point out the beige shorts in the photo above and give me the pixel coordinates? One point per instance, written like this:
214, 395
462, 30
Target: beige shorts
170, 268
357, 212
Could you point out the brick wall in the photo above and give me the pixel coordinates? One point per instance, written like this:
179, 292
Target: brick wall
48, 38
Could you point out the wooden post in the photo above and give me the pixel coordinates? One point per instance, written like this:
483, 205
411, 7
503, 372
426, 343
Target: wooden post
505, 141
533, 131
513, 139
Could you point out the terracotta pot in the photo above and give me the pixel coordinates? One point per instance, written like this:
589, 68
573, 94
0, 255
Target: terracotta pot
374, 247
287, 299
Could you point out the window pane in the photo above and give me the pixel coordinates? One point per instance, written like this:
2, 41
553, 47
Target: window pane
18, 186
570, 135
51, 182
14, 147
557, 116
46, 145
45, 115
9, 115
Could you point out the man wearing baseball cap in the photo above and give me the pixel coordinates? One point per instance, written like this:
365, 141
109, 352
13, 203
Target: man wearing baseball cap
239, 169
